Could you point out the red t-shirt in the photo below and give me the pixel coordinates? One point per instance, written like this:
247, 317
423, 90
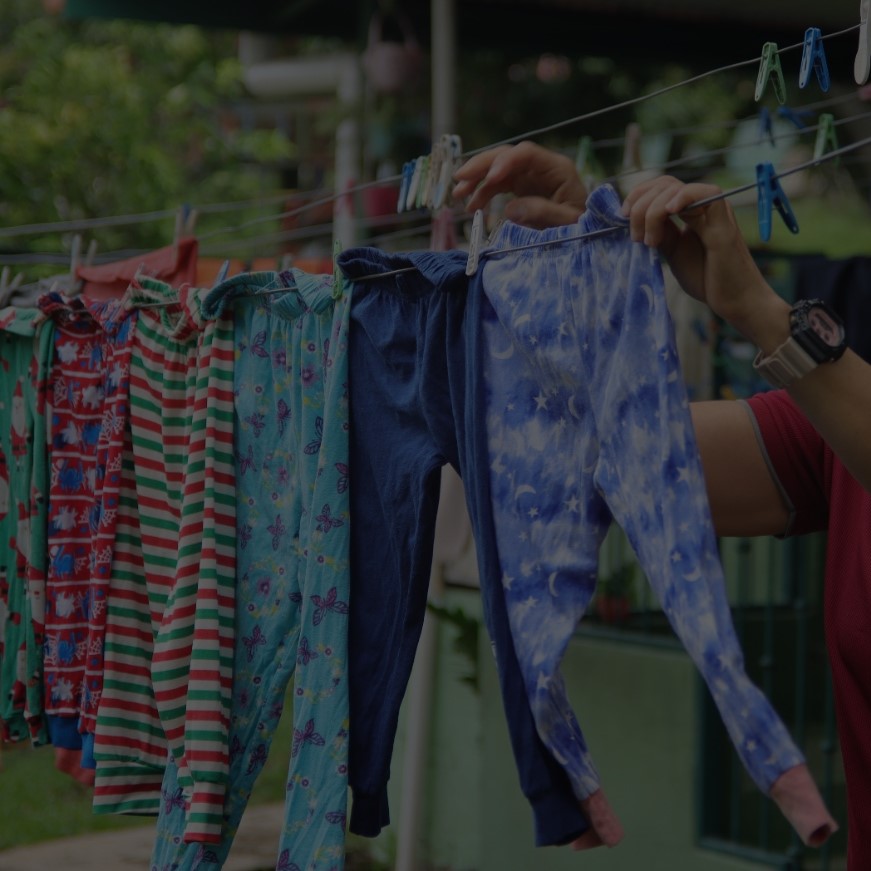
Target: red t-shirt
824, 495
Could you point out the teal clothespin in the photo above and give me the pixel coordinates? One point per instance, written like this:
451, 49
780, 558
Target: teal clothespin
813, 58
337, 273
584, 155
826, 139
769, 68
770, 195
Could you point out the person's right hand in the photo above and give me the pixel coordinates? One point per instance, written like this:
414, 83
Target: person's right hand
704, 248
546, 187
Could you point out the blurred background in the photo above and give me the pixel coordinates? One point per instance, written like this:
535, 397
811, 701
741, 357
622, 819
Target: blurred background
273, 130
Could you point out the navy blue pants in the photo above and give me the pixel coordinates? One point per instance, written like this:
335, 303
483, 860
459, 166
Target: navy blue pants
414, 373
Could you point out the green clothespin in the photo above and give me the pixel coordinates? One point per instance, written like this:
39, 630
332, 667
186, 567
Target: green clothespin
769, 68
337, 275
826, 139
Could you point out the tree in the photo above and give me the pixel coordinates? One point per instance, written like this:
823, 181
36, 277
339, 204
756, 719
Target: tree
104, 118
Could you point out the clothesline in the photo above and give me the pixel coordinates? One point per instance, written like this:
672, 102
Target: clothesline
326, 199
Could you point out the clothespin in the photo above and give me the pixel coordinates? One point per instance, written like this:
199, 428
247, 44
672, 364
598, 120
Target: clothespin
436, 156
813, 57
411, 198
769, 68
222, 272
7, 287
770, 194
794, 115
185, 221
585, 162
862, 63
452, 151
632, 147
825, 135
423, 182
337, 272
765, 128
407, 173
476, 242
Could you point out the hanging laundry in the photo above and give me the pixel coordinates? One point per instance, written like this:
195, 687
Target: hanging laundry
292, 556
171, 596
26, 347
83, 382
588, 423
412, 354
174, 264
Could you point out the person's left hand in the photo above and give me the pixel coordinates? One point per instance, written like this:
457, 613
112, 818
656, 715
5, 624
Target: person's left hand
547, 189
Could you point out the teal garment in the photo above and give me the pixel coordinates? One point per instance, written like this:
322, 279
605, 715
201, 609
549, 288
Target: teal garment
292, 551
26, 346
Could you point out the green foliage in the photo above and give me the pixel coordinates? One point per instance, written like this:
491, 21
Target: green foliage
113, 117
465, 641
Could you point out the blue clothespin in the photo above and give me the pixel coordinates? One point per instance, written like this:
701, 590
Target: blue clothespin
795, 115
770, 193
407, 173
765, 128
769, 68
813, 57
826, 138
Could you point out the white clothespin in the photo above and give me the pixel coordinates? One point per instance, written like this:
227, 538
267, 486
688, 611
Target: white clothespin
7, 287
862, 64
476, 242
452, 147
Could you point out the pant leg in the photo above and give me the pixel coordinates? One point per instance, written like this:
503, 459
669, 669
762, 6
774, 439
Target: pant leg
650, 474
411, 413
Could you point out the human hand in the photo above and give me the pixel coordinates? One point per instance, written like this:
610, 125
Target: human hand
546, 187
703, 246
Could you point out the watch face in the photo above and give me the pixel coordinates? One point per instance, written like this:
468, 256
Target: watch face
826, 327
818, 329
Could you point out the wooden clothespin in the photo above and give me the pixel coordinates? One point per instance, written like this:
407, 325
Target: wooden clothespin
770, 195
769, 68
826, 139
862, 63
813, 58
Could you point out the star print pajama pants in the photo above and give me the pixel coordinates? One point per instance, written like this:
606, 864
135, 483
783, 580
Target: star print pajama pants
291, 435
587, 422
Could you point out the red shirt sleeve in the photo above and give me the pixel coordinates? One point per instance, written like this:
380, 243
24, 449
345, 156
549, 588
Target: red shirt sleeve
799, 459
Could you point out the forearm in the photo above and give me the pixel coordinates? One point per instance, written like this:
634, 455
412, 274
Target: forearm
836, 398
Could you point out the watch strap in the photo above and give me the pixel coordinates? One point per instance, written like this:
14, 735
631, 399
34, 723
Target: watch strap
785, 364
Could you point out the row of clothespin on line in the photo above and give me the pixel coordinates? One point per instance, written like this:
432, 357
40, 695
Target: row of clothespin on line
69, 282
426, 180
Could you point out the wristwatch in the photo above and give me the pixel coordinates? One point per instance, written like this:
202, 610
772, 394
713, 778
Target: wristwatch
818, 336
